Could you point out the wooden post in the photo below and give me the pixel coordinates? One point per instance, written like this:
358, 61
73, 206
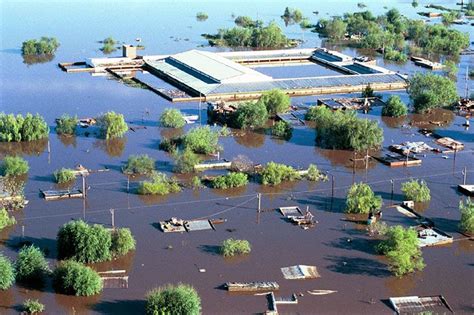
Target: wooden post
83, 186
22, 231
367, 160
465, 175
128, 184
391, 194
259, 196
112, 212
332, 190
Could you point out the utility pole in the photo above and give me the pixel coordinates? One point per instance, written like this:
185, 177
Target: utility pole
83, 187
332, 190
22, 231
112, 212
259, 196
128, 184
465, 175
391, 194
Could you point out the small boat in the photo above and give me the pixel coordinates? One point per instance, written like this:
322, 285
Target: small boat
321, 292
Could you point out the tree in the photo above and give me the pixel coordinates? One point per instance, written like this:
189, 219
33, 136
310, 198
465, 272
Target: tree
14, 166
112, 125
31, 266
201, 16
368, 91
231, 180
336, 29
394, 107
202, 140
232, 247
5, 219
416, 190
18, 128
33, 306
450, 69
74, 278
282, 129
276, 101
172, 118
245, 21
122, 242
250, 115
274, 173
429, 91
139, 165
402, 250
64, 175
314, 174
361, 199
7, 273
159, 184
66, 125
186, 160
45, 45
466, 223
169, 299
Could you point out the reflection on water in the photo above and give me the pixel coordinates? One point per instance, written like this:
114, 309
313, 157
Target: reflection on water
402, 286
250, 139
68, 140
153, 199
23, 148
76, 304
168, 133
6, 300
433, 119
346, 158
231, 192
278, 189
32, 59
421, 206
113, 147
393, 122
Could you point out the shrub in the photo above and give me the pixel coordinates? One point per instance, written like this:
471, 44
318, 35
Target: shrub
416, 190
66, 125
74, 278
202, 16
33, 306
314, 174
185, 161
395, 55
450, 69
276, 101
394, 107
361, 199
43, 46
466, 223
31, 266
14, 166
202, 140
85, 243
274, 174
402, 250
122, 241
139, 164
368, 91
231, 247
7, 273
18, 128
159, 184
170, 145
64, 175
5, 219
250, 115
112, 125
196, 182
231, 180
282, 129
429, 91
172, 118
181, 299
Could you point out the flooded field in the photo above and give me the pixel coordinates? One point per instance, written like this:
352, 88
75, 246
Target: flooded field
341, 248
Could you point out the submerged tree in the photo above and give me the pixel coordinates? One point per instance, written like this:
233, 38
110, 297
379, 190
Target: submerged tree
139, 165
416, 190
74, 278
361, 199
394, 107
66, 125
112, 125
276, 101
64, 175
158, 184
7, 273
466, 223
232, 247
18, 128
14, 166
172, 118
43, 46
31, 266
202, 140
429, 91
169, 299
250, 115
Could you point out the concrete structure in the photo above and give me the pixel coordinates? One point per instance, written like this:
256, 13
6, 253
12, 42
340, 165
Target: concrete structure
129, 51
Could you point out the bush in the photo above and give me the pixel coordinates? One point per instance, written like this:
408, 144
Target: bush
202, 140
450, 69
416, 190
402, 250
231, 180
43, 46
368, 91
139, 164
395, 55
276, 101
250, 115
185, 161
159, 184
282, 129
14, 166
202, 16
112, 125
466, 223
361, 199
429, 91
231, 247
74, 278
172, 118
66, 125
314, 174
122, 242
31, 266
7, 273
18, 128
5, 219
33, 306
196, 182
394, 107
64, 175
170, 145
181, 299
274, 174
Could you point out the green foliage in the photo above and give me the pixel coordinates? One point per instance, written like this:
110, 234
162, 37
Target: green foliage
274, 173
334, 29
85, 243
466, 224
170, 145
416, 191
231, 180
172, 118
250, 115
314, 174
66, 125
18, 128
196, 182
43, 46
112, 125
450, 69
31, 266
402, 250
292, 16
231, 247
202, 140
139, 164
186, 160
276, 101
282, 129
394, 107
74, 278
201, 16
368, 91
449, 17
159, 184
109, 45
181, 299
122, 242
361, 199
33, 306
7, 273
245, 21
395, 55
64, 175
306, 24
437, 38
5, 219
14, 166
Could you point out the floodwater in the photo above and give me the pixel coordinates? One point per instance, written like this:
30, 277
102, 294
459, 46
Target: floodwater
342, 250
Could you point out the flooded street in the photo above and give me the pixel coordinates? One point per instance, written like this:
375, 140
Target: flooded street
342, 250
